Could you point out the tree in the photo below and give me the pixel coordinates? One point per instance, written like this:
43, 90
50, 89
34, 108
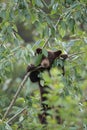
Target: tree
54, 25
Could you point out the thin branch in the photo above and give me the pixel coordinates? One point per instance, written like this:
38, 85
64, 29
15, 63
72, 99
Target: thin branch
45, 4
16, 115
16, 95
18, 91
71, 55
46, 42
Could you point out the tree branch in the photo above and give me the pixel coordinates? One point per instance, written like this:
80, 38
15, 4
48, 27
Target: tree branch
16, 115
16, 95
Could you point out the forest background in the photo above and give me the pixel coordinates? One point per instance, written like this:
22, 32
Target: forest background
53, 24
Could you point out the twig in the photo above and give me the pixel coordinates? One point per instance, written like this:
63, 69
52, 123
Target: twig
44, 4
46, 41
16, 115
71, 55
16, 95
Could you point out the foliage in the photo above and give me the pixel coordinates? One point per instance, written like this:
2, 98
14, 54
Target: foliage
54, 25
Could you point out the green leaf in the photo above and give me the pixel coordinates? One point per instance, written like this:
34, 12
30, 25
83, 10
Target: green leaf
54, 8
34, 17
71, 24
63, 25
7, 127
62, 28
2, 125
58, 63
52, 2
15, 28
62, 32
37, 59
44, 52
39, 3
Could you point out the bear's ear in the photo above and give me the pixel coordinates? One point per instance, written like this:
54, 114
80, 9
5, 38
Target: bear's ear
57, 53
38, 51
